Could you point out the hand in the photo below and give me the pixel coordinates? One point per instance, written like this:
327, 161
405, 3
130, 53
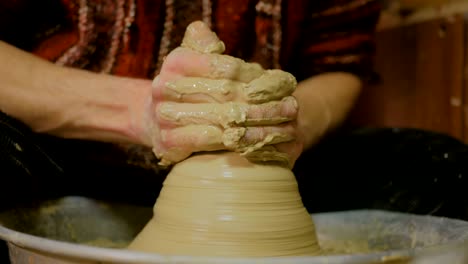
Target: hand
206, 101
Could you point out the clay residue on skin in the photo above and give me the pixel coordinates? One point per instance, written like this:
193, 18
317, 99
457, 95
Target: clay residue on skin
212, 135
269, 88
267, 154
209, 43
225, 66
225, 115
233, 95
203, 90
272, 113
234, 139
271, 85
270, 103
220, 204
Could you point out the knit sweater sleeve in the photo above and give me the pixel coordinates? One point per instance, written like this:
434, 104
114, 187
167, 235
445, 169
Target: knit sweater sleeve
337, 36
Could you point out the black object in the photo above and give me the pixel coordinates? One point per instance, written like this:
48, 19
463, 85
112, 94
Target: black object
407, 170
36, 166
23, 161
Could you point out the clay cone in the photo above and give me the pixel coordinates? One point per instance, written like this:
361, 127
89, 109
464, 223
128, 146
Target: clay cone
223, 205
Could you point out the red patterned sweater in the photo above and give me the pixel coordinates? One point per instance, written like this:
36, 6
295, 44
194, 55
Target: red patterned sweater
131, 37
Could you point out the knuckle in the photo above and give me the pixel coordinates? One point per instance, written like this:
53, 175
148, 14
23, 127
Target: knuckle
289, 107
224, 66
161, 118
174, 61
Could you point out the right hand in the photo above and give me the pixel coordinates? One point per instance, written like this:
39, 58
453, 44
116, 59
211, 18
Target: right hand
206, 101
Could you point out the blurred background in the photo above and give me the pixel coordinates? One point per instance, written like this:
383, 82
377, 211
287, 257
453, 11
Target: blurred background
409, 152
422, 66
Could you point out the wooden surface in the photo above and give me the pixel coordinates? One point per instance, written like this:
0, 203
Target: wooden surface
421, 67
400, 13
415, 4
464, 77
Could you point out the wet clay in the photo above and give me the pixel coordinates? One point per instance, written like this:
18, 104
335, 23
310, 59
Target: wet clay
226, 115
221, 204
265, 101
230, 104
270, 85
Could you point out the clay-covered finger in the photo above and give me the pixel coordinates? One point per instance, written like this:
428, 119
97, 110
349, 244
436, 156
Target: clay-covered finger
248, 139
272, 113
189, 63
198, 36
228, 114
268, 154
179, 143
284, 154
272, 85
202, 90
185, 114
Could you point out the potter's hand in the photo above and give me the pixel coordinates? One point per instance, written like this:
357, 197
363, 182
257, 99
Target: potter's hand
206, 101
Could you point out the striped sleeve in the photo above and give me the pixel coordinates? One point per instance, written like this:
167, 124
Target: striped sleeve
338, 36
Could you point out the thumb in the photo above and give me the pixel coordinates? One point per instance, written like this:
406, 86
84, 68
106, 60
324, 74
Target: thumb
198, 36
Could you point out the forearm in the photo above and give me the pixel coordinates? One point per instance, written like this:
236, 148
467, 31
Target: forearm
69, 102
324, 103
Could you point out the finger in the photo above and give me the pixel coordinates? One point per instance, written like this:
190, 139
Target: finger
272, 85
272, 113
248, 139
179, 143
268, 154
190, 63
202, 90
284, 154
198, 36
184, 114
228, 114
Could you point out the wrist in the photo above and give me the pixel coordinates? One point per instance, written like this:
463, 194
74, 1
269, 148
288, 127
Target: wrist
324, 103
100, 107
